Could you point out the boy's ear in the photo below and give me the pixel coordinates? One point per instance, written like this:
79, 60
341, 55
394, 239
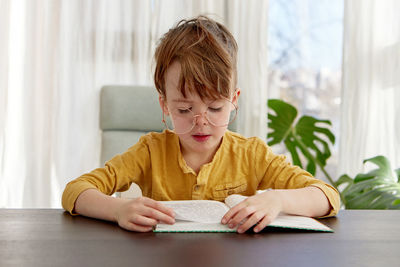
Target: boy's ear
236, 96
163, 104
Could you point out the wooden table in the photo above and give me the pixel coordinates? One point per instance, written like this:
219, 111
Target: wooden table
50, 237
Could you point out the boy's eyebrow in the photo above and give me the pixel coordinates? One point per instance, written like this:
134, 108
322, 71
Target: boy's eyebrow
182, 100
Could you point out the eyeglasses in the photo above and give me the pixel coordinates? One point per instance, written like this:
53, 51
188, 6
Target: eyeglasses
219, 113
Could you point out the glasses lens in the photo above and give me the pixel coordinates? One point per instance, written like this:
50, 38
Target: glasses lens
221, 112
182, 119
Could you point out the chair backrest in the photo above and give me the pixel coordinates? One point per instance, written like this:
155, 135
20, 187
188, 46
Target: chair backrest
126, 113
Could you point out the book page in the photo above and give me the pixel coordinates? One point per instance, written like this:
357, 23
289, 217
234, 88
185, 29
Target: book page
202, 211
234, 199
299, 222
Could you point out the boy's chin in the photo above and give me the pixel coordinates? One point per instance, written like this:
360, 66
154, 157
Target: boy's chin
205, 146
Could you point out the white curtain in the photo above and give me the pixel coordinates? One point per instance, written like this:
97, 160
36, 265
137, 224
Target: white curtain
248, 21
60, 53
56, 55
4, 36
370, 121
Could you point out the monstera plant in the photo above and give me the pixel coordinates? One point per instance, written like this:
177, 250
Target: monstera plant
376, 189
306, 135
309, 138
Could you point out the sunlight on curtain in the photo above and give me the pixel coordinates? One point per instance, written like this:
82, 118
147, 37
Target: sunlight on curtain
371, 84
248, 21
61, 53
4, 71
13, 168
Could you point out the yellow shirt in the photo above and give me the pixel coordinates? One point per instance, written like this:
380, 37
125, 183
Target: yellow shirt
240, 166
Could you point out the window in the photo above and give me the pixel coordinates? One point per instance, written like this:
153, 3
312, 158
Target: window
305, 57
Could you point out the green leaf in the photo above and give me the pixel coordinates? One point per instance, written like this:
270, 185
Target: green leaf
291, 147
306, 140
344, 179
397, 171
376, 189
359, 188
396, 202
381, 161
281, 123
364, 199
307, 136
384, 170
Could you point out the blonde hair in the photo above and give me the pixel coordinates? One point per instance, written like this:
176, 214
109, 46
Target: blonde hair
207, 52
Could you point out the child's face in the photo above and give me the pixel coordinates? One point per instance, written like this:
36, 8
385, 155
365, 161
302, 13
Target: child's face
200, 124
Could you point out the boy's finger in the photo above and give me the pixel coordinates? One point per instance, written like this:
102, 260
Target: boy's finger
158, 215
140, 228
143, 221
130, 226
239, 218
254, 218
157, 205
262, 224
228, 216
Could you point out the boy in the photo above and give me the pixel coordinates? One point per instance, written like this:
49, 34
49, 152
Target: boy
195, 76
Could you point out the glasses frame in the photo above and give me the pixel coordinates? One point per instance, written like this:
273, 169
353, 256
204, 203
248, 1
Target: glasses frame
205, 116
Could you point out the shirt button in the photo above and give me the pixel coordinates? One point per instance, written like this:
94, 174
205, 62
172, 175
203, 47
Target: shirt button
196, 187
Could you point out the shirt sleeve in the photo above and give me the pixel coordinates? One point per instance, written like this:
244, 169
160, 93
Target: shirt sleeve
277, 173
116, 176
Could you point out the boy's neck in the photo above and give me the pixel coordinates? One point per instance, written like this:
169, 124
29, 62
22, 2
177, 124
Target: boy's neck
196, 160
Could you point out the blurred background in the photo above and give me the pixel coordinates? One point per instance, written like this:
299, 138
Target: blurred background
337, 60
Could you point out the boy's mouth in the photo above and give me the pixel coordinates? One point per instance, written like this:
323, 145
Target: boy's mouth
201, 137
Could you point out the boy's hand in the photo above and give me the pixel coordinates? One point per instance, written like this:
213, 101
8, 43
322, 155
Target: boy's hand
259, 209
142, 214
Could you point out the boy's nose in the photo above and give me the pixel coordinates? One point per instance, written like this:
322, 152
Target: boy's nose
201, 119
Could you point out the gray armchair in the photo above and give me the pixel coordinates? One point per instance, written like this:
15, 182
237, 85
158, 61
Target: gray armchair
126, 113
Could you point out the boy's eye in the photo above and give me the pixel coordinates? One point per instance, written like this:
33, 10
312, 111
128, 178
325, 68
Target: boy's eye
184, 110
215, 109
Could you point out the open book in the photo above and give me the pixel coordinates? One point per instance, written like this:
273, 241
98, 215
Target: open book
206, 216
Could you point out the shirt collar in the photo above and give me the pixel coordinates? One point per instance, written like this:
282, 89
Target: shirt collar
182, 163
